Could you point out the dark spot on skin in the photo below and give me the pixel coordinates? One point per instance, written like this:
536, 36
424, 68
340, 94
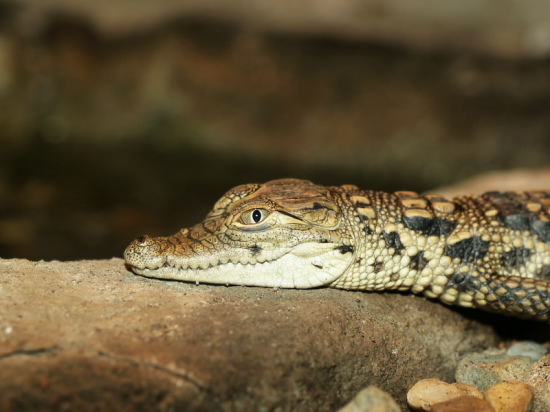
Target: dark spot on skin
516, 257
395, 277
468, 250
418, 223
442, 227
345, 249
508, 203
542, 229
364, 219
431, 227
393, 241
464, 282
517, 222
359, 261
317, 266
418, 261
544, 273
457, 278
509, 298
324, 241
255, 250
319, 206
512, 210
378, 266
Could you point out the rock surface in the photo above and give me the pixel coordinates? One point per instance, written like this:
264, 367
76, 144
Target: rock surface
519, 30
500, 180
539, 378
90, 335
484, 370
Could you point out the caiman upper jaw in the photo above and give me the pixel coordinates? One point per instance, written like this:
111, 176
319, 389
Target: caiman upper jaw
304, 266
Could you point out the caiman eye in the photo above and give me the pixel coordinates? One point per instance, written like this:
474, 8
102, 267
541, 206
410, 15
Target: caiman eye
251, 217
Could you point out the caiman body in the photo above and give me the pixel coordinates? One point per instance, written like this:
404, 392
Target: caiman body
490, 251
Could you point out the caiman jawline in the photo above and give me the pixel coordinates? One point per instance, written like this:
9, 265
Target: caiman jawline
307, 265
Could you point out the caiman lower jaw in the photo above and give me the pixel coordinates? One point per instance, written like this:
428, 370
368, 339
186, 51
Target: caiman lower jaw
308, 265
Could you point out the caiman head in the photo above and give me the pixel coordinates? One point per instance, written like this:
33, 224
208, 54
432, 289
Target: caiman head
286, 233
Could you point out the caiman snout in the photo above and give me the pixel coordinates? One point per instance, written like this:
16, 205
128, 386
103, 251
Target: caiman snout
146, 252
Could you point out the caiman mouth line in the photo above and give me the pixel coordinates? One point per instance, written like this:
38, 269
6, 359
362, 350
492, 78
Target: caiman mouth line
288, 271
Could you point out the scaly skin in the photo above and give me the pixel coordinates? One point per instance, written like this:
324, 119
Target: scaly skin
489, 251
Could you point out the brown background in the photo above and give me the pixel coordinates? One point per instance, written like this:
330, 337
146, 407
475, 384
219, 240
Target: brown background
124, 118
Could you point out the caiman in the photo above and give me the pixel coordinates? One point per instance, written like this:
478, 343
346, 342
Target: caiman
487, 251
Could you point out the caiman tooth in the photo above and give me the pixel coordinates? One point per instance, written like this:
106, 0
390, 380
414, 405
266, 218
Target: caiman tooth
204, 265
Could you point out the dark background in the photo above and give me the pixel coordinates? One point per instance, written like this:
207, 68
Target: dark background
119, 119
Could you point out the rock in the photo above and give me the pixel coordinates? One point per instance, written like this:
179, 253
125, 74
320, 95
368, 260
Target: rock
539, 378
511, 396
502, 180
533, 350
463, 404
427, 392
372, 399
475, 27
491, 367
90, 335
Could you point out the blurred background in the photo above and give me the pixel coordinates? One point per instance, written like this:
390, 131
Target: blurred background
121, 118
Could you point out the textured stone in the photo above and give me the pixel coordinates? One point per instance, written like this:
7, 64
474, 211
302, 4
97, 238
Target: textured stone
372, 399
90, 335
484, 370
539, 378
463, 404
510, 396
533, 350
427, 392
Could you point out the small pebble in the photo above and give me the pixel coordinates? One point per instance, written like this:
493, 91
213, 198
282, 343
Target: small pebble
463, 404
372, 399
527, 348
511, 396
428, 392
489, 368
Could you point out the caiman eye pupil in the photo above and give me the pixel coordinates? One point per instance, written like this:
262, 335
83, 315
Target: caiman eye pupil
256, 216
